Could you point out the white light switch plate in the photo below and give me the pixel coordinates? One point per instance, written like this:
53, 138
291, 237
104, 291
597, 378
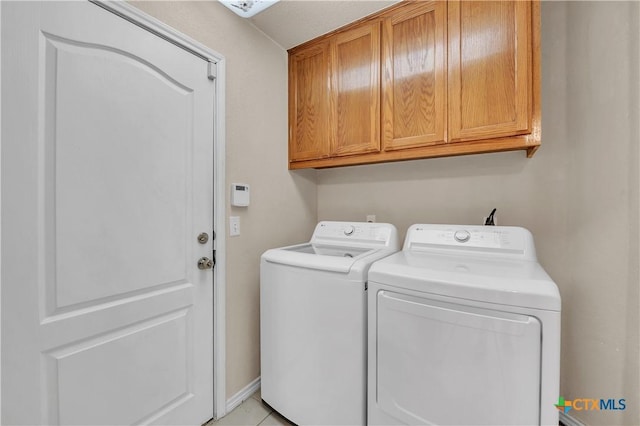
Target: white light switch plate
234, 226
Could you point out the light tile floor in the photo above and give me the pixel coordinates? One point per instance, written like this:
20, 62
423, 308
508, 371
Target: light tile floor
252, 412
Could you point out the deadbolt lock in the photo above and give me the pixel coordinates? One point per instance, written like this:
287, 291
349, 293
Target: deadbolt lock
203, 238
205, 263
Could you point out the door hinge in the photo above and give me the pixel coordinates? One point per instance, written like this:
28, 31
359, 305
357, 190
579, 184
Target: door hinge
213, 252
212, 70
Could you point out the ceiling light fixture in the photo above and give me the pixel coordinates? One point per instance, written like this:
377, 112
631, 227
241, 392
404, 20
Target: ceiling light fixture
248, 8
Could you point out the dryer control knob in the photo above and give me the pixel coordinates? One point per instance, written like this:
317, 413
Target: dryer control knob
349, 230
462, 236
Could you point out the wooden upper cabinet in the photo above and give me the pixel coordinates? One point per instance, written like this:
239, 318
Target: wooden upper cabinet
414, 76
309, 103
489, 67
355, 91
419, 79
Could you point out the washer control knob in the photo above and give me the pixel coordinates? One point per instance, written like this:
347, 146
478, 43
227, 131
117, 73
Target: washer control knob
462, 236
349, 230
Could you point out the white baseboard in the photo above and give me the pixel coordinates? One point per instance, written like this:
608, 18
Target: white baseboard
567, 420
242, 395
246, 392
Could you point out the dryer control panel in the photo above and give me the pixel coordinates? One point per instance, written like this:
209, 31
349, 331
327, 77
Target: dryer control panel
508, 241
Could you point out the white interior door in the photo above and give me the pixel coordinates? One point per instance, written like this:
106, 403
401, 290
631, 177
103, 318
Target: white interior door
107, 180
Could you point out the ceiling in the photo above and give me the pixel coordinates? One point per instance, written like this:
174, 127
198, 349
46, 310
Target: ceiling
292, 22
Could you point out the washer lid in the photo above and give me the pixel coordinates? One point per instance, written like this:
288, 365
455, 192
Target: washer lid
502, 281
341, 251
338, 246
326, 258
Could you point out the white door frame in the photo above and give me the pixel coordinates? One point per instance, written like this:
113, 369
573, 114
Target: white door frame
164, 31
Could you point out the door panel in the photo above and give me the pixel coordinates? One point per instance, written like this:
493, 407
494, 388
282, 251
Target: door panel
106, 318
434, 358
414, 77
490, 55
113, 215
155, 380
355, 91
309, 104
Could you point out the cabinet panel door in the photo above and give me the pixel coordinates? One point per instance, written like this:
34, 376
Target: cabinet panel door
355, 91
489, 69
309, 103
414, 76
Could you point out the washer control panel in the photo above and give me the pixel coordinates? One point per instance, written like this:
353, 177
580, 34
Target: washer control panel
356, 234
507, 240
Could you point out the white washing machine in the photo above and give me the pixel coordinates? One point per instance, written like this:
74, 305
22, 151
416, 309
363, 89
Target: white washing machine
313, 322
464, 329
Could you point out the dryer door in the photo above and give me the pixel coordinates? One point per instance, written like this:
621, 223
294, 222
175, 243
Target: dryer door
443, 363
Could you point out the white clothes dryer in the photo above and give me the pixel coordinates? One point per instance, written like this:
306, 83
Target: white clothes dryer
313, 322
464, 329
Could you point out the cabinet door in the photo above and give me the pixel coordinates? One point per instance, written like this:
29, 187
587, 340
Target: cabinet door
309, 103
414, 76
489, 69
355, 91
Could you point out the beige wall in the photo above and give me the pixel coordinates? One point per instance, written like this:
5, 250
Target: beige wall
578, 195
283, 203
601, 295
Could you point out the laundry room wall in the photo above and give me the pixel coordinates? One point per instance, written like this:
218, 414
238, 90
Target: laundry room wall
283, 203
578, 195
601, 296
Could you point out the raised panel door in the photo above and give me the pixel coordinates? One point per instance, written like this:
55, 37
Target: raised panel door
107, 179
414, 76
489, 68
309, 103
355, 91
